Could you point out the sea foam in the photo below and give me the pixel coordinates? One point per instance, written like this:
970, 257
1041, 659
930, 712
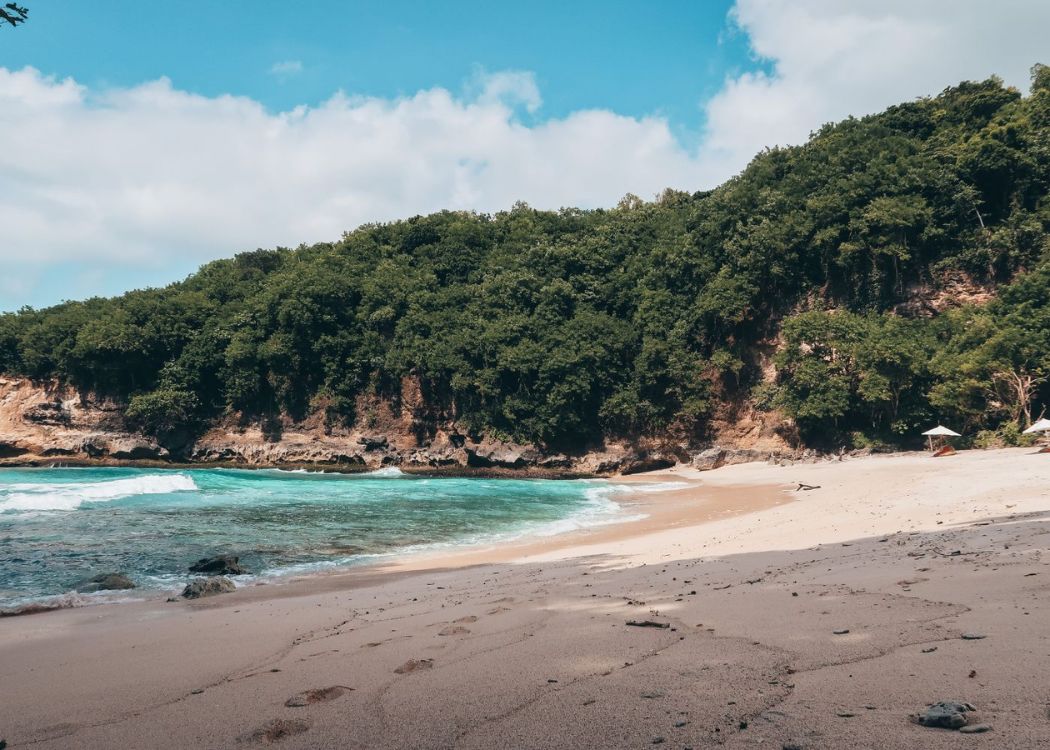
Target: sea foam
70, 496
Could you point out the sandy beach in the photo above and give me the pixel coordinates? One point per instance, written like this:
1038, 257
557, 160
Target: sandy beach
820, 618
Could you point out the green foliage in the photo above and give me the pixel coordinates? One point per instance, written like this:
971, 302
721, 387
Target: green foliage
564, 327
163, 411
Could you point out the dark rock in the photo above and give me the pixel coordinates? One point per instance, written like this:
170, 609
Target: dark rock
975, 729
648, 624
219, 565
10, 450
105, 582
973, 636
843, 631
373, 442
202, 587
945, 715
48, 413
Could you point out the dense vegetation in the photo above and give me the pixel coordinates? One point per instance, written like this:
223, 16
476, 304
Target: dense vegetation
564, 327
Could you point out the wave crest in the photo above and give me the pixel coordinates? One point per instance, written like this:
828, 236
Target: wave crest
71, 495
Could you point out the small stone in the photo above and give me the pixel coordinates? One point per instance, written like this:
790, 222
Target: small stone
658, 740
680, 724
840, 632
975, 729
929, 650
946, 715
973, 636
845, 714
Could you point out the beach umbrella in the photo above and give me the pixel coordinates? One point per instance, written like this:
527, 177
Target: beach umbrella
939, 431
1043, 425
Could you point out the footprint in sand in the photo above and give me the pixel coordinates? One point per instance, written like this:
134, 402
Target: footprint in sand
276, 730
317, 695
454, 630
414, 665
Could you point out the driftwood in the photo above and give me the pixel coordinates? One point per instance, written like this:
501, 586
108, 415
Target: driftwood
807, 487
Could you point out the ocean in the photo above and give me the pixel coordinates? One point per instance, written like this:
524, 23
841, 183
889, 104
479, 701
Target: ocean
60, 526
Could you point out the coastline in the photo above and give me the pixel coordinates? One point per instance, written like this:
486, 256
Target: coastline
514, 646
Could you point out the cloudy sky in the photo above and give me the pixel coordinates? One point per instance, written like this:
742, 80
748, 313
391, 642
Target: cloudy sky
138, 141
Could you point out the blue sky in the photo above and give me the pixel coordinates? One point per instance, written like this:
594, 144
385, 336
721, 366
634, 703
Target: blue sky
143, 139
634, 58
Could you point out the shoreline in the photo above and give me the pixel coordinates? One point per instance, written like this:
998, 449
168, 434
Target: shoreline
824, 620
640, 512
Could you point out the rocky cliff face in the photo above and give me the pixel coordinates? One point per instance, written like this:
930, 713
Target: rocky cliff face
47, 423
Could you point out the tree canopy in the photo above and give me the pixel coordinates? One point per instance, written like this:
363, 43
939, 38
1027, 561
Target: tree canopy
565, 327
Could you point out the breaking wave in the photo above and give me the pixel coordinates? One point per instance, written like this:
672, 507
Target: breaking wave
70, 496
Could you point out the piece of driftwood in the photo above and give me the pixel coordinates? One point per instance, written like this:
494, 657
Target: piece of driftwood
807, 487
648, 624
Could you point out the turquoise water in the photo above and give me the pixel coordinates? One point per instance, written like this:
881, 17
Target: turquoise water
60, 526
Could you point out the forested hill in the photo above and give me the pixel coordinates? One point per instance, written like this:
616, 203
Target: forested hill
891, 273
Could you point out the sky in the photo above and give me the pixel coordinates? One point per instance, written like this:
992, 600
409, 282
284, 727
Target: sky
140, 140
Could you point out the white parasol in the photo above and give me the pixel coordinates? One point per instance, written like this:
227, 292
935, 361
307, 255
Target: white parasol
940, 431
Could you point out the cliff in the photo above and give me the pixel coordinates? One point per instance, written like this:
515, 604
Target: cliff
49, 423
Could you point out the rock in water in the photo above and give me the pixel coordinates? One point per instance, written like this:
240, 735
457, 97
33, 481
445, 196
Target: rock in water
201, 587
105, 582
220, 565
946, 714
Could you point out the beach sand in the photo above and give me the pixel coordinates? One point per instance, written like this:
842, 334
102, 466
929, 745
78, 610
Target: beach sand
527, 645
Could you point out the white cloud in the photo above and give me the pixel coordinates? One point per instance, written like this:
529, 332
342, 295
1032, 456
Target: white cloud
149, 177
133, 175
286, 68
834, 58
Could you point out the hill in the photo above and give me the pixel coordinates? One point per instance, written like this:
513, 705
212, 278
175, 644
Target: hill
891, 273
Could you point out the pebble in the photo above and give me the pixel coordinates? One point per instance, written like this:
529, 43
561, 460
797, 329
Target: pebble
976, 729
972, 636
658, 740
846, 630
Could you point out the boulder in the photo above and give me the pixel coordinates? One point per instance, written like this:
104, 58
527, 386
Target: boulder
202, 587
489, 453
105, 582
135, 448
219, 565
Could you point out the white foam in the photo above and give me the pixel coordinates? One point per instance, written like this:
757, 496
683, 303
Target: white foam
70, 496
386, 471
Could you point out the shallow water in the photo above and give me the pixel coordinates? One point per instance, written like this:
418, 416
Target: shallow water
60, 526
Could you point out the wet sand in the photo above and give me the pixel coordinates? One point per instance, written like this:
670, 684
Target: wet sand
529, 646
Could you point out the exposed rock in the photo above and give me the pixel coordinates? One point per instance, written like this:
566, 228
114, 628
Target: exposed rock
712, 458
945, 714
373, 442
10, 450
202, 587
219, 565
48, 413
489, 453
135, 447
105, 582
717, 457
